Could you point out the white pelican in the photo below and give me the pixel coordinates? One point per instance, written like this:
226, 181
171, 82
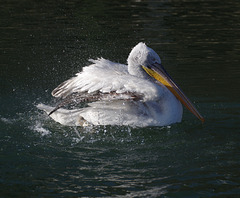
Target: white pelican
138, 94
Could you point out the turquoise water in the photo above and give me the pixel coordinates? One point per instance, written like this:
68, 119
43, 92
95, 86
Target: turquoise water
45, 43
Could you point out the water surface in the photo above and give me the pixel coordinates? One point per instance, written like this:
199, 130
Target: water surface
45, 43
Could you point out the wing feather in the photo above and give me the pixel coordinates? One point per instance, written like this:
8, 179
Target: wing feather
76, 99
106, 77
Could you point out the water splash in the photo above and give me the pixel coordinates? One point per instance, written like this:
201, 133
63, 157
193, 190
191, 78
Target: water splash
7, 120
38, 127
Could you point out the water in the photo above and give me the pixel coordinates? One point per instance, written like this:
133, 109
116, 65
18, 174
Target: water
45, 43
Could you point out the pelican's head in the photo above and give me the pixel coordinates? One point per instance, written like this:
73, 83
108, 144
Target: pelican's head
140, 55
144, 62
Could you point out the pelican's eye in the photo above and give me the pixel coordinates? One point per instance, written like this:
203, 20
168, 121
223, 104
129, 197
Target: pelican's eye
154, 59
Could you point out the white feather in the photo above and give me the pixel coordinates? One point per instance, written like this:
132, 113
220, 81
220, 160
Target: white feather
106, 76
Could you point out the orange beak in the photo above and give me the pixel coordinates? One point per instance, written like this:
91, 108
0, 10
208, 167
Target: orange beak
158, 72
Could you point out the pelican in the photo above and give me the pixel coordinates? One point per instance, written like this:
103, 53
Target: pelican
139, 94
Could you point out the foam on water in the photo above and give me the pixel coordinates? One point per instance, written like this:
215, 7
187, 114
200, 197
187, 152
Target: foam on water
40, 129
7, 120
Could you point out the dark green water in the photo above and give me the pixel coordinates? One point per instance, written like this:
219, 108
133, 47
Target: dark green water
46, 42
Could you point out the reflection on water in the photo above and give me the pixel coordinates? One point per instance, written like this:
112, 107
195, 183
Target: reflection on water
44, 44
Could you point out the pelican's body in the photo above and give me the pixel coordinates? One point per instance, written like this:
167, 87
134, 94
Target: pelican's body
118, 94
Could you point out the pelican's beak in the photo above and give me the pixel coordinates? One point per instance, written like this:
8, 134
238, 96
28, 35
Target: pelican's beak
158, 72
